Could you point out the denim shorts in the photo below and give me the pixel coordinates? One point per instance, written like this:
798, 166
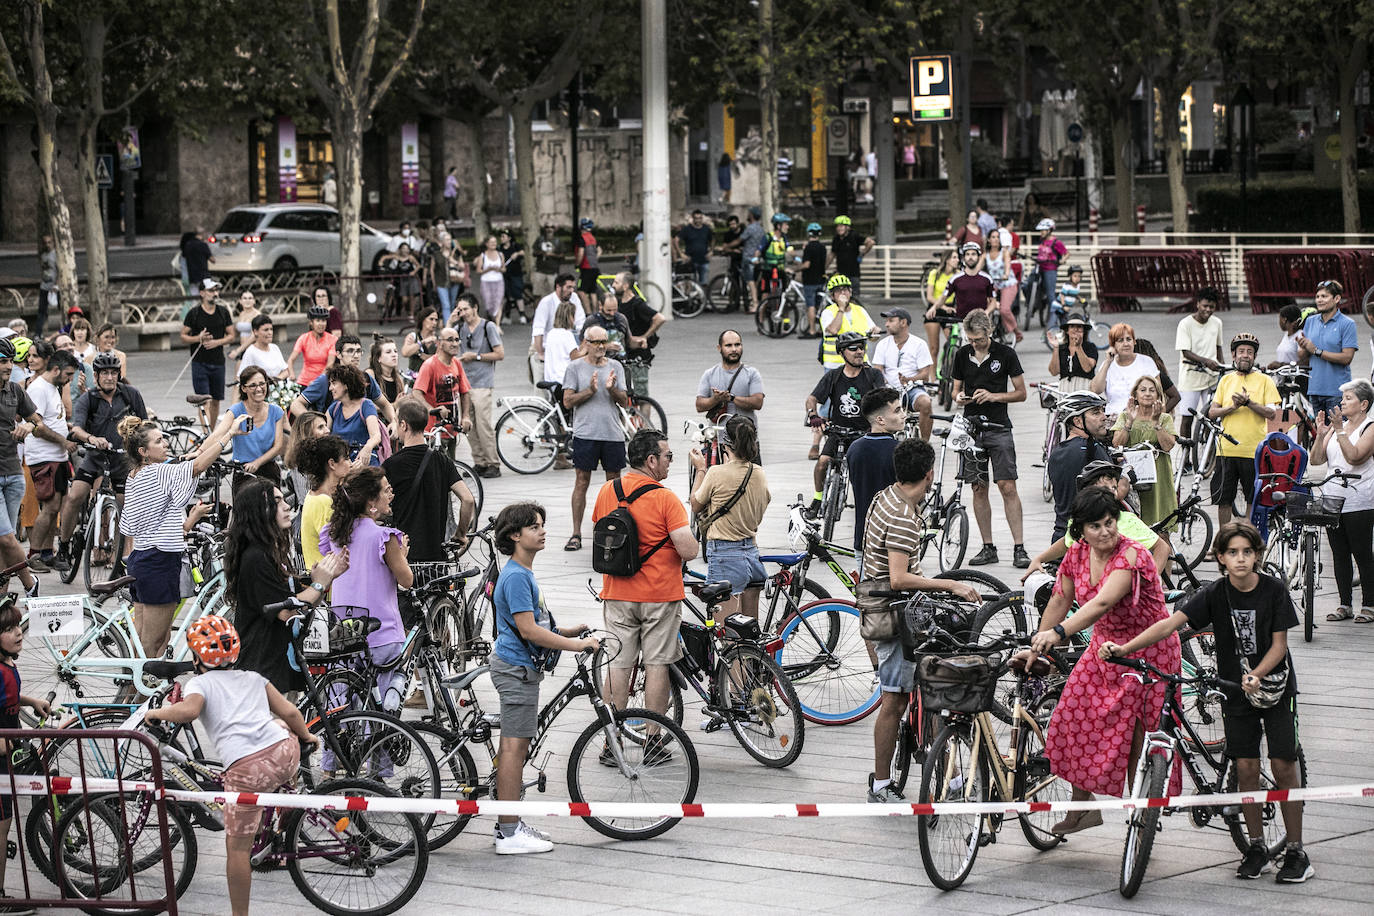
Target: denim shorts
736, 562
208, 378
895, 673
157, 576
12, 489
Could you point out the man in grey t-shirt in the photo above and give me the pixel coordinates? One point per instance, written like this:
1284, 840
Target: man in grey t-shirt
730, 387
593, 386
480, 349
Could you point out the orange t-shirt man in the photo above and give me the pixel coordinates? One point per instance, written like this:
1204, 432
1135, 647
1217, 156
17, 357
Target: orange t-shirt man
656, 514
442, 385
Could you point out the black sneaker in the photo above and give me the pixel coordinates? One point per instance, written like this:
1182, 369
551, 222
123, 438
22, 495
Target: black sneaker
1295, 868
607, 759
1019, 558
985, 557
36, 564
656, 751
1256, 861
61, 562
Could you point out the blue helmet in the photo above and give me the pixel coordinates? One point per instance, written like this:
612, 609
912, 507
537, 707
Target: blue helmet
779, 218
813, 228
587, 224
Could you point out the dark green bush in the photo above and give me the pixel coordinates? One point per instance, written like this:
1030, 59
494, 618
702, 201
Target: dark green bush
1277, 206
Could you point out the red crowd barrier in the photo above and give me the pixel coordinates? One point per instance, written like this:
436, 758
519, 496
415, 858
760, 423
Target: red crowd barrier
1276, 277
1124, 276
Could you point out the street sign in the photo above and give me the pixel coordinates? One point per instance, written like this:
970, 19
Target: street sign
932, 87
1075, 133
837, 137
104, 172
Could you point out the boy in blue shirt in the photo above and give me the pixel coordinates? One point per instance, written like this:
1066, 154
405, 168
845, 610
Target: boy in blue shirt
524, 635
1070, 295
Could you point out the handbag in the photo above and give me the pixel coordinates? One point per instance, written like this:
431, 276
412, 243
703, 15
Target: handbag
878, 617
1273, 686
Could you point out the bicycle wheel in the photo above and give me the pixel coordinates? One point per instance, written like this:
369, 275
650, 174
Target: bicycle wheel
103, 534
760, 705
112, 847
1201, 710
474, 484
527, 439
452, 628
181, 440
660, 766
1141, 827
1310, 558
776, 317
457, 777
952, 541
689, 298
375, 746
990, 587
646, 413
1005, 615
1275, 837
718, 293
954, 772
52, 662
371, 862
76, 551
1193, 539
827, 662
343, 689
1033, 782
832, 502
1100, 334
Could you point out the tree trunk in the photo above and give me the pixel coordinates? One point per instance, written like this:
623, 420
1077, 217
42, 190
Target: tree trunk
884, 183
1125, 174
520, 112
477, 177
1169, 96
1350, 71
97, 263
348, 154
768, 114
953, 136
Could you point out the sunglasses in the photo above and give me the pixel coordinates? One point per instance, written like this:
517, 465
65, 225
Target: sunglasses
853, 347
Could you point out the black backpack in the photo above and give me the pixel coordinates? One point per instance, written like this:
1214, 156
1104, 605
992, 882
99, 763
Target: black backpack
615, 537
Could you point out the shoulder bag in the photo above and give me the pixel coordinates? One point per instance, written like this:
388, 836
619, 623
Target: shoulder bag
703, 525
715, 413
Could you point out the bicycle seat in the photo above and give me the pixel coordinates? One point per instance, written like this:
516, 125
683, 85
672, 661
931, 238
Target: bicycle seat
1039, 668
197, 398
109, 588
165, 670
942, 433
715, 592
547, 386
784, 559
464, 681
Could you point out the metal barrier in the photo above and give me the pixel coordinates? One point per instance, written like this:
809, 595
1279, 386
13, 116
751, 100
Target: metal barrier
1123, 276
1278, 277
108, 875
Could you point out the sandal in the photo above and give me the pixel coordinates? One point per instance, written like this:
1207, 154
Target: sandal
574, 543
1343, 613
1366, 615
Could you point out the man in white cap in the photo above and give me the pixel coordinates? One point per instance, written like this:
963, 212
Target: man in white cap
208, 328
904, 359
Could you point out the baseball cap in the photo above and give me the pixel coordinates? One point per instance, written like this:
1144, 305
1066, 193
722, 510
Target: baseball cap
898, 313
209, 283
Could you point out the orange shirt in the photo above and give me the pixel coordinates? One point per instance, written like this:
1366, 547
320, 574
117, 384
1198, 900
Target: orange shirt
316, 352
441, 385
656, 513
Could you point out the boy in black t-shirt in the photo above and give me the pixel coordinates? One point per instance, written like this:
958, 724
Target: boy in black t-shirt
870, 458
1250, 614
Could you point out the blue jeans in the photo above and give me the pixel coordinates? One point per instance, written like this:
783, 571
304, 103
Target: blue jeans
736, 562
702, 271
809, 293
1326, 402
1049, 287
446, 298
12, 490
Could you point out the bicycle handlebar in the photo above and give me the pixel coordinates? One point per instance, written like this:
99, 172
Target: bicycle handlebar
1344, 477
1216, 426
1139, 664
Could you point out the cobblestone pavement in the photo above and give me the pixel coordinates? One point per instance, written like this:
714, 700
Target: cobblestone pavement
850, 865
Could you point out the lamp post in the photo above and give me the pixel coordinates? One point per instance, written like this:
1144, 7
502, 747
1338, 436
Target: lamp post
1244, 104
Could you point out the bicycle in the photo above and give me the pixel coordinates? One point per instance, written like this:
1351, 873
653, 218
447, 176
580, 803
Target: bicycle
944, 370
1172, 738
442, 439
1294, 530
1191, 537
689, 296
1050, 396
835, 490
964, 763
531, 432
779, 313
727, 288
1199, 452
946, 520
737, 680
97, 527
1291, 379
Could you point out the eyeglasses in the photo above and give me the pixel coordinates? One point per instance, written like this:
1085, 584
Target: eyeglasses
666, 456
254, 385
598, 343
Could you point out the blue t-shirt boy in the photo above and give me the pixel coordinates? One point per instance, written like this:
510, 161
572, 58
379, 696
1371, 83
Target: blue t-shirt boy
517, 592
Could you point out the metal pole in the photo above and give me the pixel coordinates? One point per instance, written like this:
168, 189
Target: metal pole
130, 175
841, 175
574, 185
966, 116
654, 54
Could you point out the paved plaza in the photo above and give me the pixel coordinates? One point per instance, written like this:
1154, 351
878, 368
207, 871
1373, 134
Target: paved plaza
853, 865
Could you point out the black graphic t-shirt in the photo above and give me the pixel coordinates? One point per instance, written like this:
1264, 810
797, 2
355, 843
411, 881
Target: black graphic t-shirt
843, 394
1244, 624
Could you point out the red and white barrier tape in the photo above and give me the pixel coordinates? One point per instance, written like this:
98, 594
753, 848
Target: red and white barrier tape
455, 806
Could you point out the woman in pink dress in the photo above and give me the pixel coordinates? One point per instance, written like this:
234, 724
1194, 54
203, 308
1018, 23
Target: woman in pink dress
1097, 727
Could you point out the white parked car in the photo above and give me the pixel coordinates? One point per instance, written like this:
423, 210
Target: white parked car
259, 237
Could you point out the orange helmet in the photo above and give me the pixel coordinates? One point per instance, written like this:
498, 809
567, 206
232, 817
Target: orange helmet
214, 641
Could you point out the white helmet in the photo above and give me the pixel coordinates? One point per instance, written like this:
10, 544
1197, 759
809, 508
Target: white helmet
1045, 225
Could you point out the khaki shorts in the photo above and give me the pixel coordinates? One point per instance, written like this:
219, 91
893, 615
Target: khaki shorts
265, 771
647, 629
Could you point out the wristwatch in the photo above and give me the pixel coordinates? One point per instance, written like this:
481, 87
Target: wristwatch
319, 588
1059, 629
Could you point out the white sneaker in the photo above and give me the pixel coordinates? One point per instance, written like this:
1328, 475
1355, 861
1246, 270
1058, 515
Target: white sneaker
524, 840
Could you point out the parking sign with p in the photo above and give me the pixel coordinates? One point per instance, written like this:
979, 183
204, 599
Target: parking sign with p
932, 87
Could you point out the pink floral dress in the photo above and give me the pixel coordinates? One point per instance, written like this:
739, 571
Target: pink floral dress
1089, 738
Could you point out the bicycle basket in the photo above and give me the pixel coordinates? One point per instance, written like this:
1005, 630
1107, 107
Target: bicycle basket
923, 615
427, 571
1314, 509
338, 633
958, 683
1049, 396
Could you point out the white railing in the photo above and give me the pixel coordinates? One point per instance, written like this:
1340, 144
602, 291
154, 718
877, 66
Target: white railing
899, 271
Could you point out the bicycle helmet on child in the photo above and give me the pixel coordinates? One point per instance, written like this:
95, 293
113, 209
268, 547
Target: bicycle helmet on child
1244, 337
1045, 225
587, 224
104, 361
780, 218
849, 339
813, 228
839, 281
214, 641
1074, 269
6, 348
318, 311
1095, 470
843, 221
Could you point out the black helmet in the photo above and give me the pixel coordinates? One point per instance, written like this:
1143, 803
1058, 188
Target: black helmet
6, 349
105, 361
318, 311
849, 339
1095, 469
